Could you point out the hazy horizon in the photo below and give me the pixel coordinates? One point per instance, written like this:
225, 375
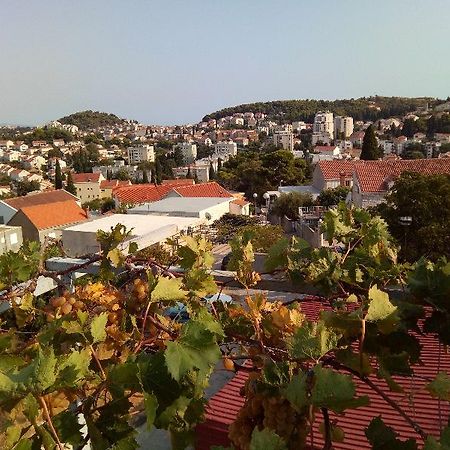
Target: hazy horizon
173, 62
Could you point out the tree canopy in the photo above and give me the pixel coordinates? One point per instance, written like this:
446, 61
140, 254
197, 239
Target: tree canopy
370, 150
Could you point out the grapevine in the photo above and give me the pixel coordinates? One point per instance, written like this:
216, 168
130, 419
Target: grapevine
78, 366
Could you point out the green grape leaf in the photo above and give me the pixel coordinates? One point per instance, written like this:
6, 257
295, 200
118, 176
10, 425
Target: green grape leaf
74, 367
383, 437
355, 361
48, 442
151, 405
68, 428
380, 308
266, 439
24, 444
116, 257
174, 412
133, 247
334, 391
168, 289
12, 435
127, 443
277, 255
440, 386
312, 341
296, 392
98, 325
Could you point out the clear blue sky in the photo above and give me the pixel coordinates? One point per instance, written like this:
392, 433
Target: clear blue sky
172, 61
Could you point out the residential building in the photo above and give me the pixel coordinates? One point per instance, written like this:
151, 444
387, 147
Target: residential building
284, 139
343, 127
330, 150
10, 239
298, 126
107, 187
189, 151
81, 239
6, 144
323, 124
357, 137
141, 153
10, 206
225, 149
321, 137
87, 186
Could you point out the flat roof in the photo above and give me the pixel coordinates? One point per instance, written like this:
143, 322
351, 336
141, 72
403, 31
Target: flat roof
180, 204
141, 224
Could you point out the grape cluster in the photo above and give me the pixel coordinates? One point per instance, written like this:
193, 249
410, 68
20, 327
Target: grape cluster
139, 294
268, 411
62, 305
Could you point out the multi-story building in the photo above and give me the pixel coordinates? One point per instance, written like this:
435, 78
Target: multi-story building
189, 151
284, 139
141, 153
225, 149
87, 186
10, 239
323, 123
343, 127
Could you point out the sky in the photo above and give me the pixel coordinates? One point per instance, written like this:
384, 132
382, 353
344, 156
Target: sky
173, 61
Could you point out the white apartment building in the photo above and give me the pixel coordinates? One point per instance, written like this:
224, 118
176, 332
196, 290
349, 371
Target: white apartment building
323, 128
189, 151
141, 153
225, 148
284, 139
321, 137
298, 126
343, 126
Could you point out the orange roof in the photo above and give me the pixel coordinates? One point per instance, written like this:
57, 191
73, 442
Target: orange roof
111, 184
211, 189
86, 177
39, 198
240, 202
179, 182
331, 170
374, 176
54, 214
141, 193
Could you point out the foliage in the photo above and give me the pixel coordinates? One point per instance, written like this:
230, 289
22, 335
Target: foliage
58, 176
426, 199
359, 109
230, 224
70, 186
288, 204
332, 196
370, 148
88, 120
25, 187
107, 351
102, 205
258, 172
163, 254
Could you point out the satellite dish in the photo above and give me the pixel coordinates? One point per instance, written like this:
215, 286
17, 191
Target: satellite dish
208, 216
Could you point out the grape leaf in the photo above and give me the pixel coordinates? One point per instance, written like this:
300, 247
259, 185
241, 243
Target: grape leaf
277, 255
24, 444
266, 439
296, 392
312, 340
440, 386
98, 325
334, 391
68, 428
74, 367
168, 289
380, 308
383, 437
151, 405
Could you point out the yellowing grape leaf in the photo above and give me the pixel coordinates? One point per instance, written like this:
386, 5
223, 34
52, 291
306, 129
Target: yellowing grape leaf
440, 386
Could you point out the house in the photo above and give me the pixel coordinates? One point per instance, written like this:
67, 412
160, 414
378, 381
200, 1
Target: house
283, 139
43, 221
39, 143
107, 187
59, 143
373, 179
188, 150
225, 149
87, 185
240, 207
211, 189
10, 206
34, 162
331, 174
356, 138
146, 230
6, 144
399, 144
10, 239
330, 150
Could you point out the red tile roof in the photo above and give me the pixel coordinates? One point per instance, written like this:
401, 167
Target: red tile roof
39, 198
374, 176
331, 170
141, 193
415, 401
240, 202
54, 214
211, 189
86, 177
179, 182
111, 184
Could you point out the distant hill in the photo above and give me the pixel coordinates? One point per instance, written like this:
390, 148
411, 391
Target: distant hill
87, 120
365, 108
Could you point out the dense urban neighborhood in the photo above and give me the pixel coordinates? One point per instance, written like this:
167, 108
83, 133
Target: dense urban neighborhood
291, 257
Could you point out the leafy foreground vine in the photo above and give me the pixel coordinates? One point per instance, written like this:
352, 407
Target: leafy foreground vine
79, 367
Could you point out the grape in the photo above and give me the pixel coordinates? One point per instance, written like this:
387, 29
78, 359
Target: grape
228, 364
66, 308
57, 301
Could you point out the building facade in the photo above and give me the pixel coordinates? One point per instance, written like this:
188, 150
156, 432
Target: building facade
141, 153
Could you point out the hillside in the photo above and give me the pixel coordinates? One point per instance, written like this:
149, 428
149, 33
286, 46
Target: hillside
86, 120
365, 108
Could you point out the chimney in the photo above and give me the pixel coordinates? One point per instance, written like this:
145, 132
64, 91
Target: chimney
342, 179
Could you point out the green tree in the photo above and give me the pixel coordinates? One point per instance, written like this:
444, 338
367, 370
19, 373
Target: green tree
370, 149
25, 187
178, 157
70, 187
58, 176
288, 204
144, 177
212, 172
426, 199
332, 196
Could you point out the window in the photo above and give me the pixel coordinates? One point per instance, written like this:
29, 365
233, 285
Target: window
13, 238
51, 235
2, 219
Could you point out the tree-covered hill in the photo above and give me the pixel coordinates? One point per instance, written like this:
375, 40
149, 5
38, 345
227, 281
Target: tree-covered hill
86, 120
365, 108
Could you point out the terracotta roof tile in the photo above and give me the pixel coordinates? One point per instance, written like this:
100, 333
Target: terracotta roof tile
54, 214
141, 193
240, 202
39, 198
425, 410
111, 184
211, 189
86, 177
178, 182
331, 170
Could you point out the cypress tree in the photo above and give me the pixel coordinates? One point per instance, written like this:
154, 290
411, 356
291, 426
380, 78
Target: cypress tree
219, 164
212, 172
189, 175
70, 187
144, 176
370, 145
58, 176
